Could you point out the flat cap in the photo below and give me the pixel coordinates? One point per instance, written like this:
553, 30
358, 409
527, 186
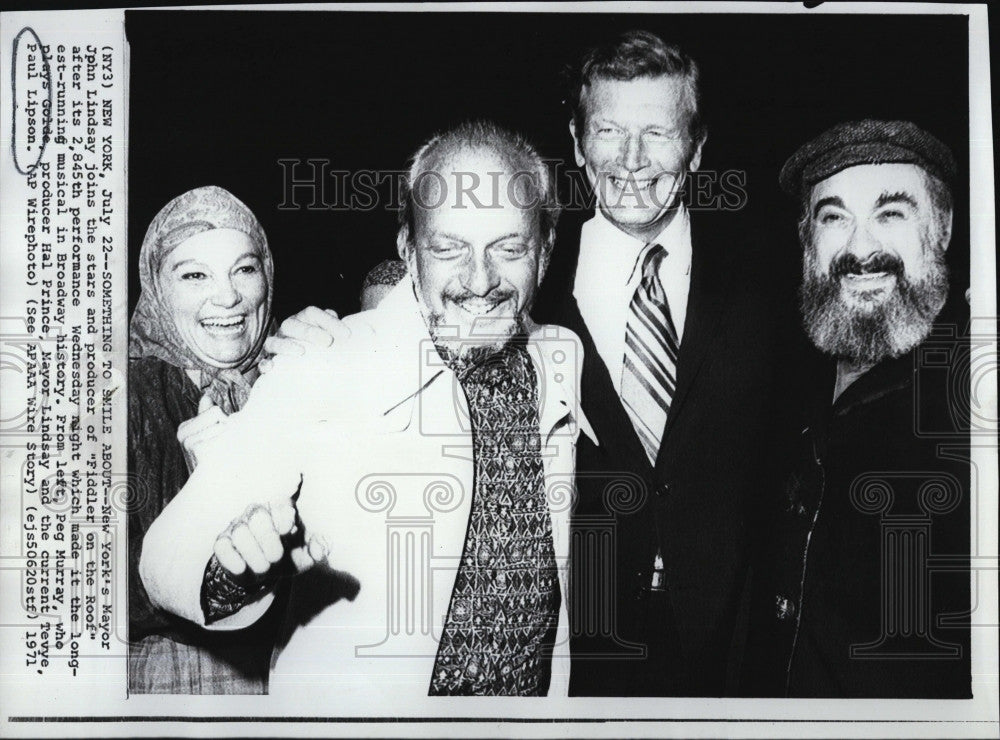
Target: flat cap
865, 142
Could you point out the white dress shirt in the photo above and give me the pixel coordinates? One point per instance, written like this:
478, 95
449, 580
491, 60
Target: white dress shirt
609, 271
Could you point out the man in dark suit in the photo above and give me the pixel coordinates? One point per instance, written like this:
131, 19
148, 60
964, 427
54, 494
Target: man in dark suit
680, 347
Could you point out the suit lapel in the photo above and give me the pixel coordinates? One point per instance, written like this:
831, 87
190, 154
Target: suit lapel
707, 299
601, 403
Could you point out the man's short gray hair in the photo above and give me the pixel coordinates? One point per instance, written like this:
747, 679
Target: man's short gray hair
520, 158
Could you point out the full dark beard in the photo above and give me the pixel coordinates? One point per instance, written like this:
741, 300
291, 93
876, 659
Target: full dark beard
866, 335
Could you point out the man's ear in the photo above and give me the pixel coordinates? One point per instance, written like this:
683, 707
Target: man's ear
946, 230
695, 162
403, 246
543, 264
577, 150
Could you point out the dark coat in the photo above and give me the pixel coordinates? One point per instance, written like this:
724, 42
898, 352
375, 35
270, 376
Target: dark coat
160, 398
694, 504
870, 548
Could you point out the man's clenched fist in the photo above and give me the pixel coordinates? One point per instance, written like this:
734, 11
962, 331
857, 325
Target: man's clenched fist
260, 537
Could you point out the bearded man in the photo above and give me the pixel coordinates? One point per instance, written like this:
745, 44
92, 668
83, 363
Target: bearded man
869, 591
417, 474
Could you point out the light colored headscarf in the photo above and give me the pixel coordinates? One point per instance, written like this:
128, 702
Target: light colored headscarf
153, 332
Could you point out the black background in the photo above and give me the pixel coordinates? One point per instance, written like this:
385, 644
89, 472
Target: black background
219, 97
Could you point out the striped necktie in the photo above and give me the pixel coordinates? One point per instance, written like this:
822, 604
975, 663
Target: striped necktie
650, 369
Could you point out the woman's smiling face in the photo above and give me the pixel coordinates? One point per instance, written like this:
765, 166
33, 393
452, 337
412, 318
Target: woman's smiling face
214, 286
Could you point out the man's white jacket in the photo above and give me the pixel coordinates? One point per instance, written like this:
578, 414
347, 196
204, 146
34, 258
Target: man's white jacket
375, 435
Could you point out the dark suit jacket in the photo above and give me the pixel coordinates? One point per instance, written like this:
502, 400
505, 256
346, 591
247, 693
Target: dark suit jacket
695, 503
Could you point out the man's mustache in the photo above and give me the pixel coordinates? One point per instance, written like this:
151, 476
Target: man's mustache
849, 264
496, 298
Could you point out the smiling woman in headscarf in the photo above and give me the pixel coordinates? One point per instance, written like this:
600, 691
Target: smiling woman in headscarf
196, 335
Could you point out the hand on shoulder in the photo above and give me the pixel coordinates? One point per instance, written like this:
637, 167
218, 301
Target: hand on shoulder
311, 329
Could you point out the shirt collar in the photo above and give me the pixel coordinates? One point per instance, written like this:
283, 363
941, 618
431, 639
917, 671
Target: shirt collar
885, 377
399, 324
610, 256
